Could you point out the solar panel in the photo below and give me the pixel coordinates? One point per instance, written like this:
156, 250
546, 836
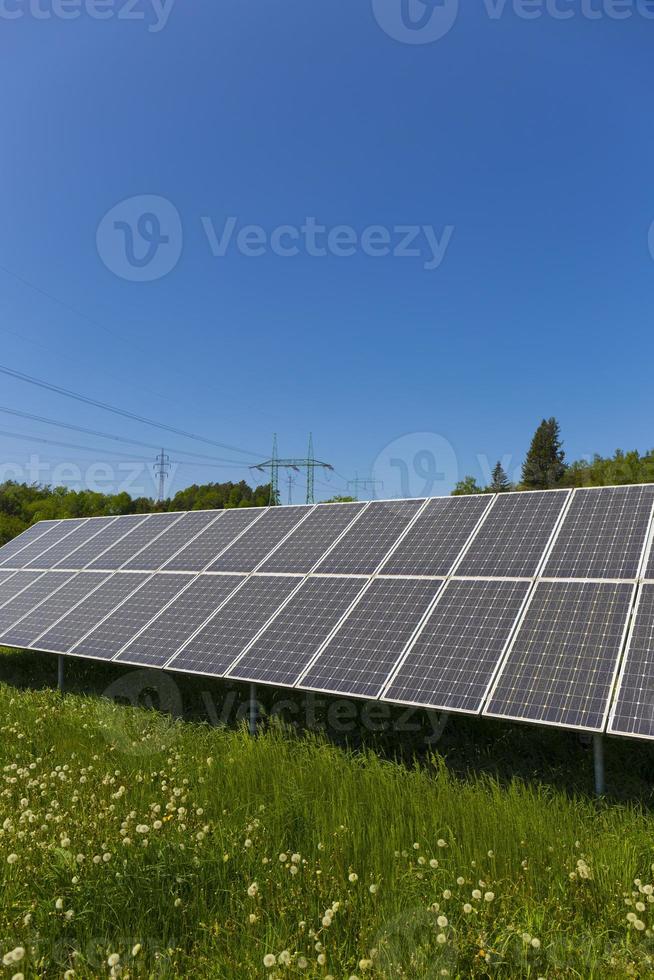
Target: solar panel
435, 541
22, 633
24, 602
187, 613
16, 583
108, 536
213, 650
199, 553
59, 551
363, 652
80, 620
633, 707
603, 534
12, 548
285, 648
118, 629
451, 663
259, 540
4, 576
512, 540
174, 539
132, 543
368, 541
309, 542
60, 531
562, 662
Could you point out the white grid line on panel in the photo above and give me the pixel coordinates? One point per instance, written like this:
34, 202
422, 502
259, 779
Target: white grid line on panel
648, 549
117, 541
342, 621
67, 581
77, 521
215, 557
364, 507
549, 724
89, 523
39, 575
186, 544
619, 681
104, 576
44, 533
155, 538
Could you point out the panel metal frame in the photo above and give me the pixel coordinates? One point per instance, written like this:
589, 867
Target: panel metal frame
19, 568
455, 711
588, 729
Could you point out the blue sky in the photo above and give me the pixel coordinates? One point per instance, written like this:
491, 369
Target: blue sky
523, 146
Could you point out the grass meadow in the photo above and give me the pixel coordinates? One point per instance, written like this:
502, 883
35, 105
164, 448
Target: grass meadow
135, 844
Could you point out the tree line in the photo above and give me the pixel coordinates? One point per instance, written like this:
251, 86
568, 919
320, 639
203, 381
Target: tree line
545, 468
22, 504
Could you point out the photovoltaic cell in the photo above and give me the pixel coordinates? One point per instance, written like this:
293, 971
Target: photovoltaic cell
603, 534
169, 631
561, 665
75, 624
435, 540
16, 583
48, 612
633, 708
58, 533
108, 536
4, 575
362, 653
512, 540
364, 546
199, 553
25, 601
309, 542
118, 629
259, 540
51, 557
451, 663
219, 643
132, 543
16, 545
180, 534
285, 648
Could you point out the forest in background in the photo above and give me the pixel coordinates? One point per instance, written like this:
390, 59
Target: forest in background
544, 468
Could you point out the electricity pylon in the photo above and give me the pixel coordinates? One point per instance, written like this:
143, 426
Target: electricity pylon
309, 463
364, 484
162, 470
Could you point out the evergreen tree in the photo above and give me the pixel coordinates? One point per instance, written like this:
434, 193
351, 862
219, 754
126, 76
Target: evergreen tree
500, 482
544, 466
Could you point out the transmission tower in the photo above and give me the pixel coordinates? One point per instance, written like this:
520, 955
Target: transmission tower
309, 464
364, 484
162, 470
291, 482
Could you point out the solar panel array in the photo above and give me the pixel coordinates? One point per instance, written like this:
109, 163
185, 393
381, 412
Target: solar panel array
525, 606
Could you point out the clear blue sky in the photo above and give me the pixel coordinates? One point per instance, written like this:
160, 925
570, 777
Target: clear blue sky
531, 138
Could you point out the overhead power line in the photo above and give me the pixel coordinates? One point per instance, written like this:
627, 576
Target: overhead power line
109, 435
66, 392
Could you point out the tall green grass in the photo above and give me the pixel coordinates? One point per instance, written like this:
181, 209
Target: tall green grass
146, 847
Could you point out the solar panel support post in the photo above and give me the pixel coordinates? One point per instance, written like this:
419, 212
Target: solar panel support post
253, 718
61, 673
598, 759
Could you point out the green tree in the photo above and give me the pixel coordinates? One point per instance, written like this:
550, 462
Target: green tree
544, 466
340, 500
467, 485
500, 482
